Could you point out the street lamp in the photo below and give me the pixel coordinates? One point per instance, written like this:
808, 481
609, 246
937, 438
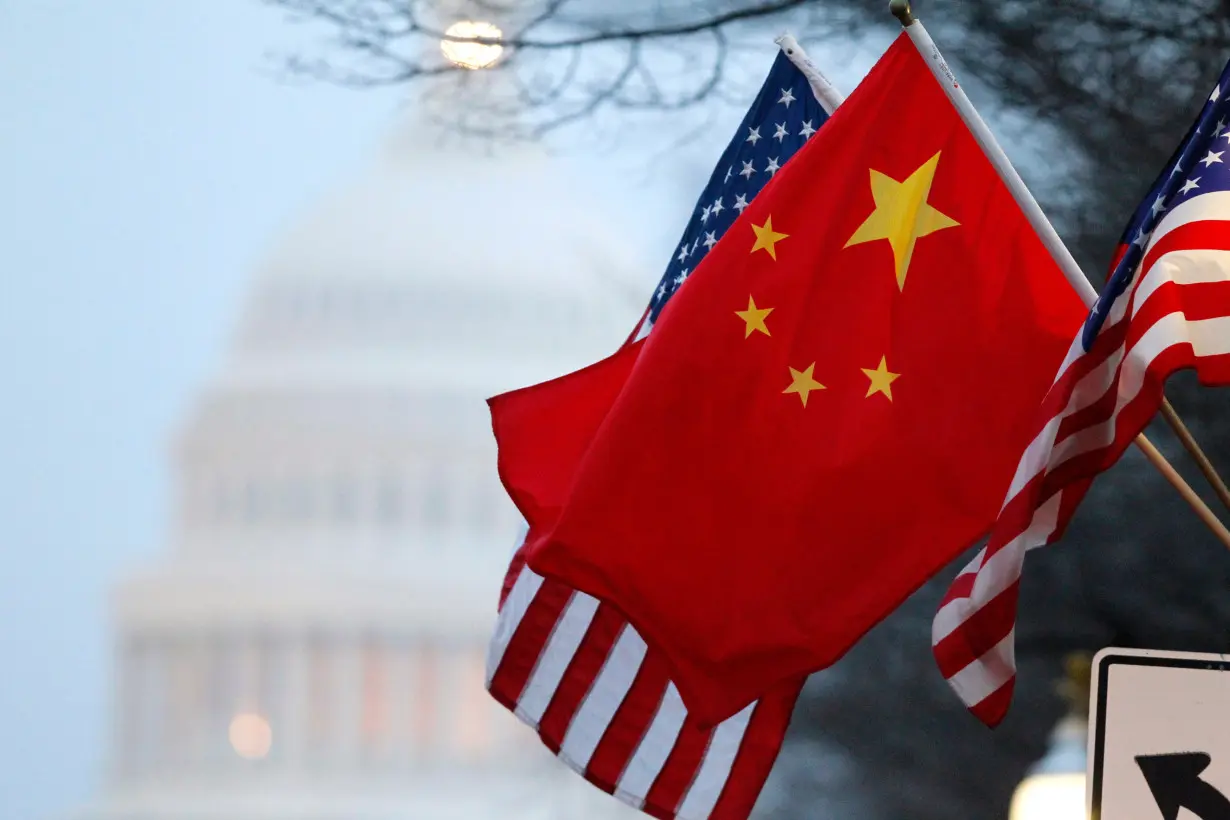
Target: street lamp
1054, 787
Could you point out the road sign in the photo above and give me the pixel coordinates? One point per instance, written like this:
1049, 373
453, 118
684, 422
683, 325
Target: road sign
1159, 736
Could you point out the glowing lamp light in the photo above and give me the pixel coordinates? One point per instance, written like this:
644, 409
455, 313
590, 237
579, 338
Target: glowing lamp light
1054, 788
250, 736
1050, 797
472, 55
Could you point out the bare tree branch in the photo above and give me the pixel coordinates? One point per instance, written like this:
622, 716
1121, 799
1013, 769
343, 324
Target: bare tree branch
632, 59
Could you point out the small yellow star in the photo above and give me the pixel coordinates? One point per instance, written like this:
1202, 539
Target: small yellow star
902, 214
767, 238
881, 379
754, 317
803, 383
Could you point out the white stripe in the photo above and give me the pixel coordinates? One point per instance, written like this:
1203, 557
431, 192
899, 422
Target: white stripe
1186, 267
603, 699
999, 571
1213, 205
553, 662
1039, 456
1094, 384
1093, 437
643, 330
1166, 332
515, 606
523, 532
724, 745
1091, 387
653, 750
1034, 459
955, 611
982, 678
978, 681
1075, 351
1210, 337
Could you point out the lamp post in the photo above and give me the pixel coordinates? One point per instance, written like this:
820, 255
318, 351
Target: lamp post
1054, 787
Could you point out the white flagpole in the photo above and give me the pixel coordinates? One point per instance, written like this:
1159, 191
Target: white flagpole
1033, 212
826, 93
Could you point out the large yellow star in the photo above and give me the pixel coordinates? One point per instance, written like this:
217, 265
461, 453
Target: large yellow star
767, 238
754, 317
902, 215
881, 379
803, 383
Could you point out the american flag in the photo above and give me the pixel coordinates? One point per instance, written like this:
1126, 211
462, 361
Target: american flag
1166, 307
568, 665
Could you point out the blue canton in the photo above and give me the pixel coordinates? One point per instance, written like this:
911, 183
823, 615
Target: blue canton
1201, 165
784, 116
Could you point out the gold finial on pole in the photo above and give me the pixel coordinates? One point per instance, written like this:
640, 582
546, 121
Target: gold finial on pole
1077, 682
901, 10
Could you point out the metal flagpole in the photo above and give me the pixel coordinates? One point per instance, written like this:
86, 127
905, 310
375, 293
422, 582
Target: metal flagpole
1067, 263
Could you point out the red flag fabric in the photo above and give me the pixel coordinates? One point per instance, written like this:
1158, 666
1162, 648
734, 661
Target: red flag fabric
570, 666
828, 411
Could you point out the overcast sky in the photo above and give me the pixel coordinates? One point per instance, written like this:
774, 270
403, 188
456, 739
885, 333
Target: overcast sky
150, 156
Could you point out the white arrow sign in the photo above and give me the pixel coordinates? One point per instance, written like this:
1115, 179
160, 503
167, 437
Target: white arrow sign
1159, 736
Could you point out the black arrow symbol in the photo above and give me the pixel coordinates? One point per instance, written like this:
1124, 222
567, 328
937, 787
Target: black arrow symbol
1175, 782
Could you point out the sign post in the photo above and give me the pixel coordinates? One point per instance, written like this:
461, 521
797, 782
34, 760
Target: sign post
1159, 735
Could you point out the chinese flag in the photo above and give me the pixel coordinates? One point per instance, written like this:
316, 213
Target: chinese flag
826, 414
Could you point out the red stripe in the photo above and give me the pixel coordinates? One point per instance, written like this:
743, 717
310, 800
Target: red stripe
1016, 516
961, 587
629, 724
679, 771
1197, 301
1164, 301
985, 627
1207, 234
1089, 416
1104, 345
754, 760
992, 709
579, 677
1207, 300
1073, 494
1132, 419
527, 643
1214, 371
514, 569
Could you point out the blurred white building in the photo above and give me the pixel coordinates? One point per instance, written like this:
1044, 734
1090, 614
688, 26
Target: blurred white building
312, 644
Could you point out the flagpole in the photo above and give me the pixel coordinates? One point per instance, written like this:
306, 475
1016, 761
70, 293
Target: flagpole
1033, 211
1067, 263
1193, 448
826, 93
